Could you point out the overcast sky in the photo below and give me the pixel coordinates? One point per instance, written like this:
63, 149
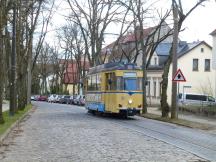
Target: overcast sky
200, 23
197, 26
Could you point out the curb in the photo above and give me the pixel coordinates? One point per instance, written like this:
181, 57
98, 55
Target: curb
9, 130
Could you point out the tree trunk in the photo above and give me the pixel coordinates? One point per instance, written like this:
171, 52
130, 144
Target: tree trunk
1, 71
174, 105
164, 104
22, 92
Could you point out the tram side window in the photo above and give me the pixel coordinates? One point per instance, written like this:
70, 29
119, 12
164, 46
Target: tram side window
139, 84
119, 83
89, 83
98, 82
94, 83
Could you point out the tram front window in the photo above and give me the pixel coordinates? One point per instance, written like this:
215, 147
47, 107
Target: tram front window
130, 84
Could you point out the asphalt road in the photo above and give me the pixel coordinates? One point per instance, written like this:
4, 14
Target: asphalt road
57, 132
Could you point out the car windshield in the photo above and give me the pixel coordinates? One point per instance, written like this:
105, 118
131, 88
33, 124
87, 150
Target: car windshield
211, 99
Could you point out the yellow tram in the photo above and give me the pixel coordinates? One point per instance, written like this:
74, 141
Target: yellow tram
114, 88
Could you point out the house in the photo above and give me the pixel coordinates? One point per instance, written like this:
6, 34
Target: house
213, 34
195, 63
194, 59
72, 75
124, 49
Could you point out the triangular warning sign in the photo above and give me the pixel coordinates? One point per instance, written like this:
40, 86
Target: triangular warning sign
179, 77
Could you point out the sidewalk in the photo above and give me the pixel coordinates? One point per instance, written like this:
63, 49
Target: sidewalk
189, 117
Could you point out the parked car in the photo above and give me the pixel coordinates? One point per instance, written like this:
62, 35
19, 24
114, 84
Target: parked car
65, 99
72, 98
82, 101
42, 98
79, 100
52, 98
58, 98
196, 99
33, 98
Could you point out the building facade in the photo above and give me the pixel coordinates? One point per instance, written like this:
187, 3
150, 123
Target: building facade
194, 59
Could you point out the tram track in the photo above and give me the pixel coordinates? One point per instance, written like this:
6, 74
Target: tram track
194, 141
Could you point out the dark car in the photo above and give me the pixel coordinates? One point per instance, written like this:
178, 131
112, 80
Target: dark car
42, 98
65, 99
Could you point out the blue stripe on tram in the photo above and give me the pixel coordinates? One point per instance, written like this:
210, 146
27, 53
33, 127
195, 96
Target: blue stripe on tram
96, 106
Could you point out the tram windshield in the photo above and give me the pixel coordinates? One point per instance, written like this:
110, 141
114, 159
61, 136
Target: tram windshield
130, 84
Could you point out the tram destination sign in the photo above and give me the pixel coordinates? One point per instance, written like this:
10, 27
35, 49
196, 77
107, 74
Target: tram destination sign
130, 74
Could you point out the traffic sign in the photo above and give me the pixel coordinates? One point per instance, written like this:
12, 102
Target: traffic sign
179, 77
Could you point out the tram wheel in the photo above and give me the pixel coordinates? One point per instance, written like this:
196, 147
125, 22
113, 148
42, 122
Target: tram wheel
91, 112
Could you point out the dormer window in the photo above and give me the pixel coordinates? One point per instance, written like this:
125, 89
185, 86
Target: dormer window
155, 61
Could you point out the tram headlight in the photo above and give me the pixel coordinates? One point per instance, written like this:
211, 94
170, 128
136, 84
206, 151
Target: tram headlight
130, 101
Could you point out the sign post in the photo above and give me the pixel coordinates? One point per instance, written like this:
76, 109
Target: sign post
178, 77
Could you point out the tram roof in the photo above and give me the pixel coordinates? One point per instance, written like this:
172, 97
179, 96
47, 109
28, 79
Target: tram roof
113, 66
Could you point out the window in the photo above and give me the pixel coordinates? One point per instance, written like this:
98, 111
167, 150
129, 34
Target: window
94, 82
207, 64
155, 61
155, 87
89, 83
195, 64
119, 84
148, 87
130, 84
202, 50
139, 84
196, 97
98, 79
211, 99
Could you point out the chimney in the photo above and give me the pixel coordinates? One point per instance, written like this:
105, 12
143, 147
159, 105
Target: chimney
213, 34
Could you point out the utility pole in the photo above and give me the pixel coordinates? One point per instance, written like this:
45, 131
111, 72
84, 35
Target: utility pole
13, 95
174, 104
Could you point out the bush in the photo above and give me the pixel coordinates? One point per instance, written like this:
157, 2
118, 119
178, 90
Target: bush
202, 110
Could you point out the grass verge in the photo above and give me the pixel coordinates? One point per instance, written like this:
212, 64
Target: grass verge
181, 122
9, 120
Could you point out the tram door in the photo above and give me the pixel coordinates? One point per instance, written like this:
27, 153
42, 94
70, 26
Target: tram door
110, 97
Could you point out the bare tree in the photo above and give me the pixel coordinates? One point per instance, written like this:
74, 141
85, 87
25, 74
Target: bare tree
146, 41
27, 13
3, 20
181, 18
93, 18
73, 44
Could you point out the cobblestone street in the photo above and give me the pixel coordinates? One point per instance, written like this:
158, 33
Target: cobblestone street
67, 133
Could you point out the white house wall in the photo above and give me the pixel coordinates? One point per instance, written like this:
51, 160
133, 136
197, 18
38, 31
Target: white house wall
201, 81
153, 98
214, 53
